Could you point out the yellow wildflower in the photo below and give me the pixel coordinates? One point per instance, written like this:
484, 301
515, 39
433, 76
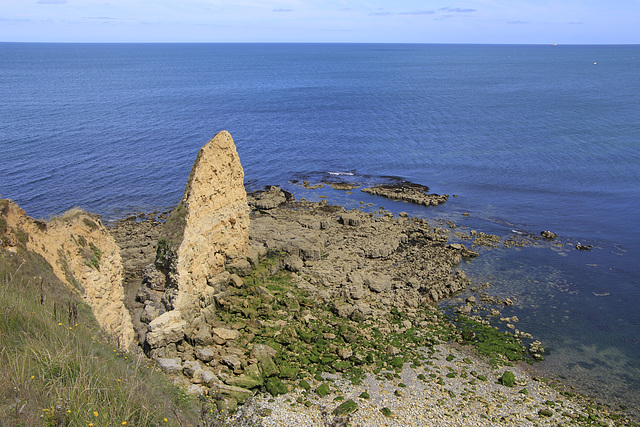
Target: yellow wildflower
124, 423
95, 414
59, 323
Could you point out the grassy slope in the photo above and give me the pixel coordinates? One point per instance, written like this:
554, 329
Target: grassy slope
57, 370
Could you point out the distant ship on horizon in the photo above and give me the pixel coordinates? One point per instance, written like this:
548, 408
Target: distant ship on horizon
554, 44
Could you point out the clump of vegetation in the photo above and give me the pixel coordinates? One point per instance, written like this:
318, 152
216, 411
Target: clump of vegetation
72, 213
173, 228
345, 408
508, 379
500, 347
96, 254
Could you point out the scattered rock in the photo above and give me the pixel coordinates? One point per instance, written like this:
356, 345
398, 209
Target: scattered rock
548, 235
408, 192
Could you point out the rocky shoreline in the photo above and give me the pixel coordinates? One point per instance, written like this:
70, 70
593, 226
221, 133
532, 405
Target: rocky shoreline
331, 312
351, 274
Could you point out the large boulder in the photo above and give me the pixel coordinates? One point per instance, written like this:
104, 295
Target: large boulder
166, 329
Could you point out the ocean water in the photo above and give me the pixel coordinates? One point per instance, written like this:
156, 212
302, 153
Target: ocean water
528, 138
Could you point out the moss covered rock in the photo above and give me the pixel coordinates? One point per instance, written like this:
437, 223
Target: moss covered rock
275, 387
345, 408
508, 379
323, 390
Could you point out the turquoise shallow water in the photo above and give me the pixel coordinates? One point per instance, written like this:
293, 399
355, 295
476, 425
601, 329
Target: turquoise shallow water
528, 137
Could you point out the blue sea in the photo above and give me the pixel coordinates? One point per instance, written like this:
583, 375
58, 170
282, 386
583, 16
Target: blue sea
528, 138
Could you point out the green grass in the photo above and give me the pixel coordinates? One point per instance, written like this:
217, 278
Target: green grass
57, 370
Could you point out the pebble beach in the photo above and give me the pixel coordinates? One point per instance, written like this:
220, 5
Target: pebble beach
453, 388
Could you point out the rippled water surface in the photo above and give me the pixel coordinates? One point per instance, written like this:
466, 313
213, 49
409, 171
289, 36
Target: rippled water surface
528, 138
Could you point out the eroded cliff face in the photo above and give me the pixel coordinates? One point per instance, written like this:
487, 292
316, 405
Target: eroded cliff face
83, 254
213, 220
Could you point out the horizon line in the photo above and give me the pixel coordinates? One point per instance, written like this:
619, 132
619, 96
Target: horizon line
322, 42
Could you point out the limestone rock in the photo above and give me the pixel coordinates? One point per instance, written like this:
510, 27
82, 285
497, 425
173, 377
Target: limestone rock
378, 283
165, 329
153, 278
262, 351
208, 378
190, 368
225, 334
205, 354
84, 255
268, 199
170, 365
196, 390
241, 395
211, 223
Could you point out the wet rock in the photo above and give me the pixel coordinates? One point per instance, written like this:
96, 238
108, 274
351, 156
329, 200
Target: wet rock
548, 235
408, 192
536, 350
463, 250
581, 247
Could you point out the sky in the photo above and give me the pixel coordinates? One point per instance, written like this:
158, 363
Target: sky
355, 21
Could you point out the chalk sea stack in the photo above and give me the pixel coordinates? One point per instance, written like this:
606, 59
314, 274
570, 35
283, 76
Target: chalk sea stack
207, 231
